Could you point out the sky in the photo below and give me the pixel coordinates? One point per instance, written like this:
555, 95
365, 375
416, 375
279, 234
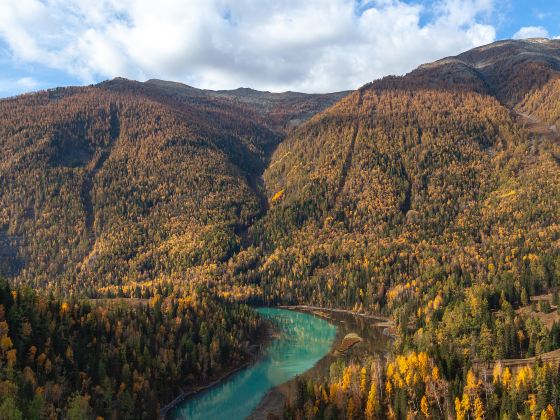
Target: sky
275, 45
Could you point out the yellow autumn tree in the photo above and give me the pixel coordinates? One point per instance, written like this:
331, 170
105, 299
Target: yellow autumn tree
435, 374
424, 406
363, 380
497, 372
64, 308
506, 378
346, 378
371, 405
333, 392
548, 413
277, 196
466, 403
459, 410
524, 377
532, 404
478, 409
472, 383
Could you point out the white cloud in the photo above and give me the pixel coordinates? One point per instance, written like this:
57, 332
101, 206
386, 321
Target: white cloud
541, 15
309, 45
531, 32
27, 82
22, 84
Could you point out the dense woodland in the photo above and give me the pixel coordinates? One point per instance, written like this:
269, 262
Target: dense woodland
103, 187
412, 386
438, 207
430, 198
80, 359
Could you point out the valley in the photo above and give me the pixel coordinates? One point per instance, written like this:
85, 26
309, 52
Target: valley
144, 222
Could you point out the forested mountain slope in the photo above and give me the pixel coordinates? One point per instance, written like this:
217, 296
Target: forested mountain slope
412, 185
124, 181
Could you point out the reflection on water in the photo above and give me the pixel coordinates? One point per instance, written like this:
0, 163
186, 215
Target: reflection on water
304, 340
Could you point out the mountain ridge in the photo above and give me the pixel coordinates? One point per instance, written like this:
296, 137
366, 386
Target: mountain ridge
245, 127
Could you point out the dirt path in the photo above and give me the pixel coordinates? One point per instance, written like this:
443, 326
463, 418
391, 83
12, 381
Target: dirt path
485, 369
535, 126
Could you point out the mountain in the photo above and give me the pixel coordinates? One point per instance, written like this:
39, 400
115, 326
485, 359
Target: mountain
282, 111
449, 172
124, 181
430, 199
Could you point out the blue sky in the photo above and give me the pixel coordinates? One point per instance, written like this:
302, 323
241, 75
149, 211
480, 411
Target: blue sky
305, 45
517, 14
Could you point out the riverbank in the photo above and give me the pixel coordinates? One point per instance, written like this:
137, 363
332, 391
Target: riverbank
254, 352
374, 342
371, 329
304, 339
388, 325
385, 322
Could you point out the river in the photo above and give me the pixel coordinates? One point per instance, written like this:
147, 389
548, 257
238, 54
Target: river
303, 340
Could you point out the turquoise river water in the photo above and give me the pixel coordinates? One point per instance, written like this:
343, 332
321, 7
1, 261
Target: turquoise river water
304, 340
